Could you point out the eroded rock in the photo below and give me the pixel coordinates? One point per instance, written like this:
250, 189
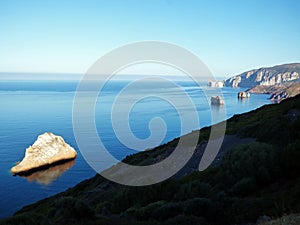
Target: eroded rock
47, 149
217, 100
243, 94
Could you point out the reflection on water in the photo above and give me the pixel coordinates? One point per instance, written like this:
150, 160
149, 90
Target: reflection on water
47, 176
244, 100
217, 108
218, 113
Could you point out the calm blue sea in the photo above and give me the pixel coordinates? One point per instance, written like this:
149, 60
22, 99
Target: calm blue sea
30, 108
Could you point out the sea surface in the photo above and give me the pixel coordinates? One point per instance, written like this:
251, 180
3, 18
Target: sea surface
30, 108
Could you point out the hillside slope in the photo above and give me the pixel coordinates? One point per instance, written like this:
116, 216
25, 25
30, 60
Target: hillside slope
249, 179
266, 76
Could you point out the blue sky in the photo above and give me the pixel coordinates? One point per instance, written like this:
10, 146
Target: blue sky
69, 36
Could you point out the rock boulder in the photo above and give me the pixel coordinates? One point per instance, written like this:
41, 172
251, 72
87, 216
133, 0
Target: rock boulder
217, 100
243, 94
47, 149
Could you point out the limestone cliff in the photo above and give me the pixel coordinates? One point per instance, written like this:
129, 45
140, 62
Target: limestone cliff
46, 150
266, 76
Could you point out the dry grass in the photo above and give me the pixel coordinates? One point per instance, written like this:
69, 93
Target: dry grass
293, 219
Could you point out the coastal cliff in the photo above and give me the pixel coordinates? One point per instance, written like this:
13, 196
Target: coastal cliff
266, 76
255, 175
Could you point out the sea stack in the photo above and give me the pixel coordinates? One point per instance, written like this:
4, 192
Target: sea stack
243, 94
48, 149
217, 100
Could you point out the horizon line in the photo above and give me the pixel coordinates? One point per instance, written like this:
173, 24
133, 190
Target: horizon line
38, 76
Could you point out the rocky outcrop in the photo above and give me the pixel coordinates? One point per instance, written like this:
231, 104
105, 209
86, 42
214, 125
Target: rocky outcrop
278, 97
217, 100
278, 92
266, 76
215, 84
243, 94
48, 149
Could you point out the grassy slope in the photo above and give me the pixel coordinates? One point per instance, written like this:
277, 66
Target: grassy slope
260, 178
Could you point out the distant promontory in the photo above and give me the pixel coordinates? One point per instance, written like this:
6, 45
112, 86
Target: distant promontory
266, 76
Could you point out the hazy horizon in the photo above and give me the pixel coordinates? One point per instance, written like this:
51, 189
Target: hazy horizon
129, 73
26, 76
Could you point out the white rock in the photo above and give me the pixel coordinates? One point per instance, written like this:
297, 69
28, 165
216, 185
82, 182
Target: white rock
266, 76
217, 100
46, 150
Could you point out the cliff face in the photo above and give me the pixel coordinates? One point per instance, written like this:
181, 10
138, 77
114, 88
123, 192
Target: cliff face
266, 76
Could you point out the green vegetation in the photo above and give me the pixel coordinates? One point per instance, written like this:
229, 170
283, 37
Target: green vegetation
252, 180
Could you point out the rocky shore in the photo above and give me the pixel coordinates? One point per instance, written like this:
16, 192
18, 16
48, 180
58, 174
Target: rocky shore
278, 92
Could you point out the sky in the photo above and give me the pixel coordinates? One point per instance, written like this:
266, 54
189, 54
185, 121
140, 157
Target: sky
69, 36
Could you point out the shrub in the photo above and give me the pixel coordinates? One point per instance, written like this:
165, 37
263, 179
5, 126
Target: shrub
193, 189
256, 160
69, 207
185, 220
26, 219
167, 211
243, 187
143, 213
199, 207
290, 158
